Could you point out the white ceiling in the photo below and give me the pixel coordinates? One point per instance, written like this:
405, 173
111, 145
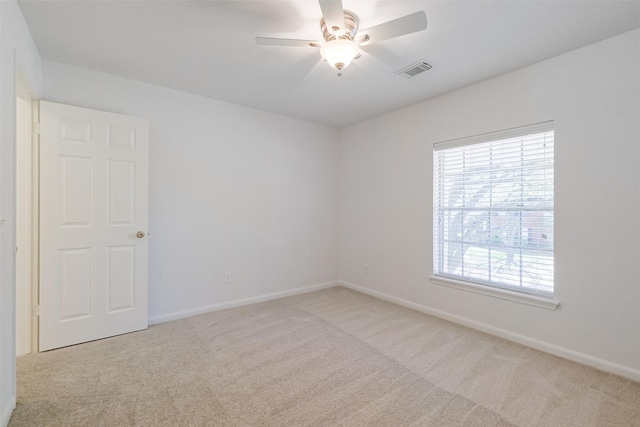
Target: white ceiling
208, 47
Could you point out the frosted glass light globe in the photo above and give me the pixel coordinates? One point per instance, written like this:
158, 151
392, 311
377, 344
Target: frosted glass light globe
339, 52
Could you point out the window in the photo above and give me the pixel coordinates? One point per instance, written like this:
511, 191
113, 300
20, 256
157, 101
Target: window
493, 210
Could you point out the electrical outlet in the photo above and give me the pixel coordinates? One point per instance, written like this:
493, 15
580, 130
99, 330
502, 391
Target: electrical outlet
227, 278
366, 268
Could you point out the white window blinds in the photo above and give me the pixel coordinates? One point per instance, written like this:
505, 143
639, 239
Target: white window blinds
493, 209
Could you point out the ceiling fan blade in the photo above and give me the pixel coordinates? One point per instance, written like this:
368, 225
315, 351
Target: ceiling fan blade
317, 72
398, 27
384, 54
333, 15
370, 63
268, 41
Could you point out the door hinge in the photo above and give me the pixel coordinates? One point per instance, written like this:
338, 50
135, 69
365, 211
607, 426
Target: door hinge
36, 128
35, 311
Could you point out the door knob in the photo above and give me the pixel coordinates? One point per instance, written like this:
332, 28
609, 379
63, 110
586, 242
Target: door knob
140, 234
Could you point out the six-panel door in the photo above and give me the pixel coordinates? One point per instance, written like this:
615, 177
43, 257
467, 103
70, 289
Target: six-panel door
93, 204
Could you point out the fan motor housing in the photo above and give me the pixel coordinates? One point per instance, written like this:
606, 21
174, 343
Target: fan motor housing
350, 27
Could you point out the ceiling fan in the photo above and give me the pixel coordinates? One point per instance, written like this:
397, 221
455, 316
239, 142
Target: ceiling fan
342, 40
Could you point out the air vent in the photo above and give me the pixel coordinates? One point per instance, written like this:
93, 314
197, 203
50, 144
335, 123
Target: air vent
414, 69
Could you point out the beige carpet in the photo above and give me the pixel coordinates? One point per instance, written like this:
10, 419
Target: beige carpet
328, 358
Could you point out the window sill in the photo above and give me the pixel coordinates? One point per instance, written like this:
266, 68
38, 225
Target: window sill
536, 301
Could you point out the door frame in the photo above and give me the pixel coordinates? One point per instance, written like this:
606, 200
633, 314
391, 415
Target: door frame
28, 183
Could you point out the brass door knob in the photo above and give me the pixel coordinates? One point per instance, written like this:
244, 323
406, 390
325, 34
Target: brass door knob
140, 234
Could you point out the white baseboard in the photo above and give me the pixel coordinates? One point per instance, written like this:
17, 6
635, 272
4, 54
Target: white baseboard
237, 303
7, 411
565, 353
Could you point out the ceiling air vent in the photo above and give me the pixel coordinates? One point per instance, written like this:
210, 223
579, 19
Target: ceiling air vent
414, 69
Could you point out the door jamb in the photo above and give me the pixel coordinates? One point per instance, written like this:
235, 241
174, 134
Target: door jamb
23, 91
35, 227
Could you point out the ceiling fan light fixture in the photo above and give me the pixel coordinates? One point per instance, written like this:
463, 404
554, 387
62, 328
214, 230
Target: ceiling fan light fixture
342, 40
339, 52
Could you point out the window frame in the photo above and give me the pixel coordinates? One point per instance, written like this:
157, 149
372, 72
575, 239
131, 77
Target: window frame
525, 295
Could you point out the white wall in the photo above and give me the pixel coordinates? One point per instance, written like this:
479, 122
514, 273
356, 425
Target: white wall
593, 95
16, 50
232, 189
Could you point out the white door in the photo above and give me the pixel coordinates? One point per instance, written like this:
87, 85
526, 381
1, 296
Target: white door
93, 224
